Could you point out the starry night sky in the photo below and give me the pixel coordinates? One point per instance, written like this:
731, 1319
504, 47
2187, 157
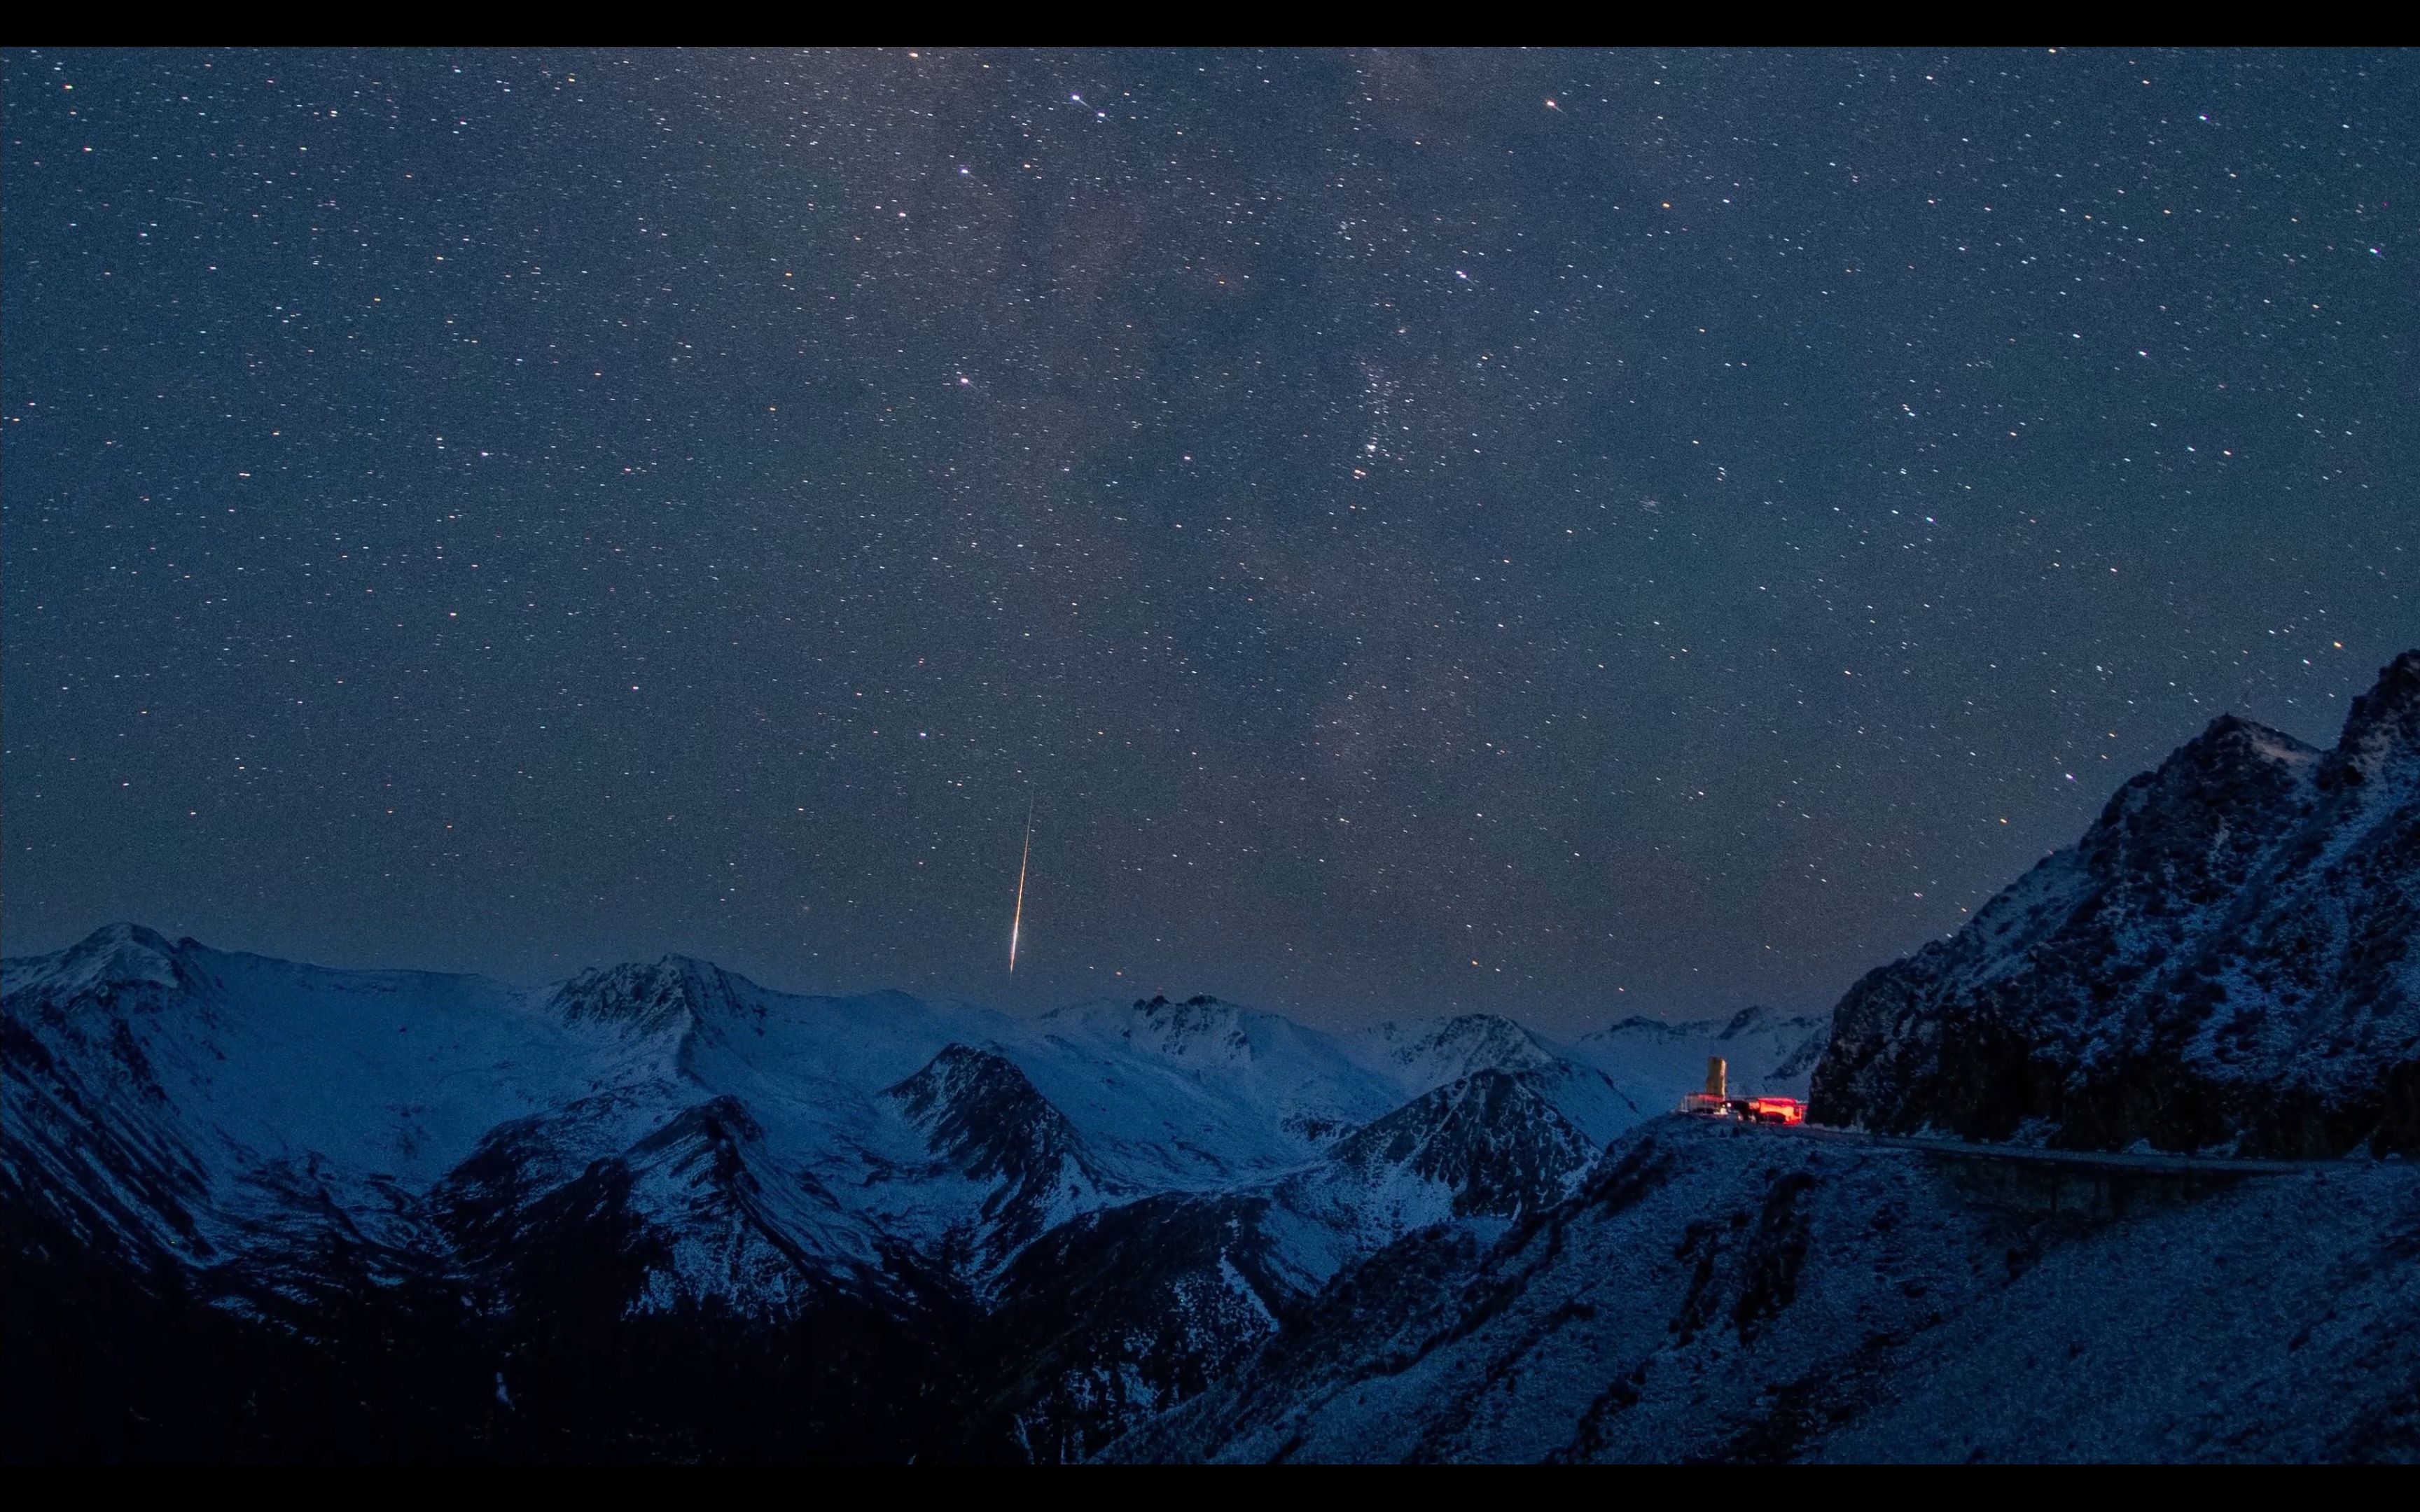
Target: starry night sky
1565, 535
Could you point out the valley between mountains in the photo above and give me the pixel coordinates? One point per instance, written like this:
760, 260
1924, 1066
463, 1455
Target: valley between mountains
260, 1210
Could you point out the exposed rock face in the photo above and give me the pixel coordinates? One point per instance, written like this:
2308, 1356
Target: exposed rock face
1490, 1145
1462, 1044
1199, 1029
980, 1113
1124, 1312
2225, 961
1119, 1314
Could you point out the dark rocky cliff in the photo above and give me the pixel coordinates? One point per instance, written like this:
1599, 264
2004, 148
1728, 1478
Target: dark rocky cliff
2225, 961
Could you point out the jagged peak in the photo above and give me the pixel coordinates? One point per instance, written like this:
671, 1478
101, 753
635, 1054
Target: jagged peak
957, 1071
718, 1123
647, 995
2382, 730
1492, 1136
1185, 1028
1201, 1007
1756, 1016
714, 980
1475, 1041
126, 929
1489, 1084
2234, 766
1158, 1008
126, 935
1475, 1025
1490, 1091
2231, 739
115, 956
1643, 1023
979, 1110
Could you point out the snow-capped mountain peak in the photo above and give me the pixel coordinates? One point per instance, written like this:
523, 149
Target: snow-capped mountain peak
111, 958
2222, 962
1491, 1143
1420, 1055
669, 994
978, 1111
983, 1117
1200, 1030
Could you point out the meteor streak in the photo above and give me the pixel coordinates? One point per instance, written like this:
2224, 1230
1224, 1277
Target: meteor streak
1016, 921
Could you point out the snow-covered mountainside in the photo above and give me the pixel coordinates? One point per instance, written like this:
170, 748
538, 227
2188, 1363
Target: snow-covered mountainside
1490, 1144
253, 1131
2223, 964
1720, 1293
255, 1208
2225, 961
983, 1122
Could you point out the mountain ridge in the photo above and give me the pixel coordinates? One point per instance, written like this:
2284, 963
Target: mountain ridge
2222, 963
670, 1140
660, 1211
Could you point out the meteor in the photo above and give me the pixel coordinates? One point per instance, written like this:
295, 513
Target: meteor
1016, 921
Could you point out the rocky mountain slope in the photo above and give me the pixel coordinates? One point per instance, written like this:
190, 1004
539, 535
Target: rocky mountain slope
253, 1144
1720, 1293
2225, 961
2223, 964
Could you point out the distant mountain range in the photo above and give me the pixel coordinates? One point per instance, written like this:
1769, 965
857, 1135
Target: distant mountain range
260, 1210
1072, 1218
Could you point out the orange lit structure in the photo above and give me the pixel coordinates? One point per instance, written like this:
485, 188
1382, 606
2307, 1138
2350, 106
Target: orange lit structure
1745, 1109
1716, 1102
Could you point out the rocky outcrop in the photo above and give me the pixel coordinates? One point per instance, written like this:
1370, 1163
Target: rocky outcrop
984, 1119
2224, 962
1489, 1145
1120, 1314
